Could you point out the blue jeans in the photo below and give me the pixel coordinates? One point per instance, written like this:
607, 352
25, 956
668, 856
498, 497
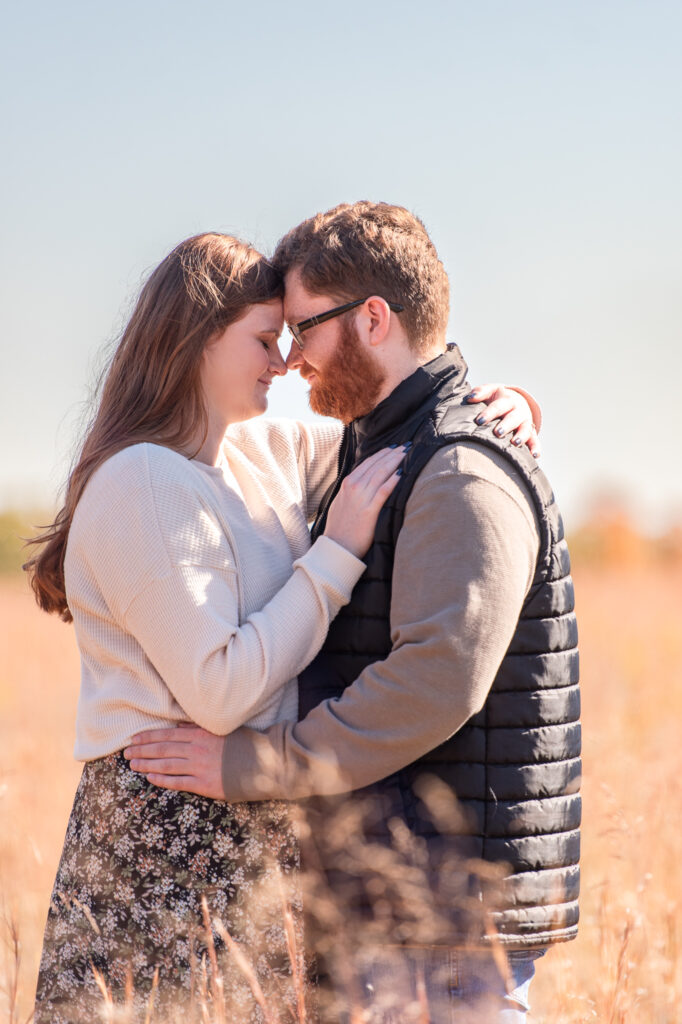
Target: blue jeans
401, 985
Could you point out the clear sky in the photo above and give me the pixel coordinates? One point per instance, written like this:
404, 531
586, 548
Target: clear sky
539, 140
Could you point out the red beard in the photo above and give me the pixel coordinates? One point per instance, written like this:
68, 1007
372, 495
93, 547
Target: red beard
350, 384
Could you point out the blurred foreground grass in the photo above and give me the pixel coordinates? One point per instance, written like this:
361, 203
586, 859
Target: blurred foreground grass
625, 965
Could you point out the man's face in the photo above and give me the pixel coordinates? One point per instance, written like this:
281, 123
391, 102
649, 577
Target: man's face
345, 377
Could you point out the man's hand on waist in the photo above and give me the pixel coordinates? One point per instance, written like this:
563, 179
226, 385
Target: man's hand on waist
186, 758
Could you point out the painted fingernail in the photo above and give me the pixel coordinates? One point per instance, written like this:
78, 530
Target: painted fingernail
536, 455
470, 396
407, 446
498, 431
517, 441
399, 471
393, 446
481, 419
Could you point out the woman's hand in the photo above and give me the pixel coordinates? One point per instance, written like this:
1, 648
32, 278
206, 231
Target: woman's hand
517, 411
353, 514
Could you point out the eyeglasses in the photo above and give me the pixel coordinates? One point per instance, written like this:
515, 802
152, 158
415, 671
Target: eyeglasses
312, 321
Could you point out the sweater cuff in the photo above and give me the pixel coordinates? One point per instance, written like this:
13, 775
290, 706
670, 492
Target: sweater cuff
250, 767
334, 565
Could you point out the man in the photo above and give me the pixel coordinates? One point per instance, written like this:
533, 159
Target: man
453, 671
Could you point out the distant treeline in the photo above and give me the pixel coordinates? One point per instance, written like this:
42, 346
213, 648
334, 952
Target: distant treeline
606, 538
614, 540
15, 528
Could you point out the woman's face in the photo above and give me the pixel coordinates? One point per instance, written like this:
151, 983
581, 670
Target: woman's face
238, 366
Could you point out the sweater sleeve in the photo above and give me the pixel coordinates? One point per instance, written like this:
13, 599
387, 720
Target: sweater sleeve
464, 562
308, 452
168, 572
318, 460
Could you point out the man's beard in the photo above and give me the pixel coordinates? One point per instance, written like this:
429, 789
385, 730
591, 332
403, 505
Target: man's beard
351, 382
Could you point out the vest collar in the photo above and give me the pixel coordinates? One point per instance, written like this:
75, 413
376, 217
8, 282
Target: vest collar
391, 419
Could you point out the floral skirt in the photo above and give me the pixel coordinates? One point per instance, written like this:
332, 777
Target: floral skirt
142, 872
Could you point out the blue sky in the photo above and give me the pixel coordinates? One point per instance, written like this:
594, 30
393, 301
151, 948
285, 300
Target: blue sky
539, 142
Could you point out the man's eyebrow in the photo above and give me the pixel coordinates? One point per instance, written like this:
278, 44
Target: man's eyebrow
271, 330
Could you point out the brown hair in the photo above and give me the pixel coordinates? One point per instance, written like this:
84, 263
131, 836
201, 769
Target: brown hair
151, 390
360, 249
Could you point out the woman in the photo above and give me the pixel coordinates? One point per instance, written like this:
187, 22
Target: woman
173, 557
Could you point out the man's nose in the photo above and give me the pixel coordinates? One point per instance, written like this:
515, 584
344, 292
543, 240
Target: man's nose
295, 358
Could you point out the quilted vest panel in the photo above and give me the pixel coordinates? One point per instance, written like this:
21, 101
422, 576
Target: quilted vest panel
515, 766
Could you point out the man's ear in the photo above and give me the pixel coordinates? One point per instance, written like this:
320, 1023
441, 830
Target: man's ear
377, 320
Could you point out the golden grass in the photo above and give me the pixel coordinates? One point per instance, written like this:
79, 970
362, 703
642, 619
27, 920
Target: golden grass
624, 965
39, 677
623, 968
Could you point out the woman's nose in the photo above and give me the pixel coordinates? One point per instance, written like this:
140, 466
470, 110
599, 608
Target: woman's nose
278, 366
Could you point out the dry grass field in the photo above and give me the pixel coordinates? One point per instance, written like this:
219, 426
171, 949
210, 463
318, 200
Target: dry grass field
624, 967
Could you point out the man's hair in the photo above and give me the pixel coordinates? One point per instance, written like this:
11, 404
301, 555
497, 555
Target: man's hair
360, 249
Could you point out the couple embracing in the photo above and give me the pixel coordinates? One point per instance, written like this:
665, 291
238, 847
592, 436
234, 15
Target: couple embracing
417, 648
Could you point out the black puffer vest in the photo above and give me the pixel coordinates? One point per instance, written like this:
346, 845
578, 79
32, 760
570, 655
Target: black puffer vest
515, 766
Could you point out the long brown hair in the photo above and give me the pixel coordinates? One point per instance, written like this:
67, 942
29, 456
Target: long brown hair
151, 390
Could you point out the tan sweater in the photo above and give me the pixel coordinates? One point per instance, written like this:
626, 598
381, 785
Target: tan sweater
179, 578
464, 562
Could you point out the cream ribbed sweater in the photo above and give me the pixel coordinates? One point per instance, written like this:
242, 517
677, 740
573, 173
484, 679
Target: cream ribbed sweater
179, 579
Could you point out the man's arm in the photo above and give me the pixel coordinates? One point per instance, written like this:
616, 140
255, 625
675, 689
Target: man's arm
464, 562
